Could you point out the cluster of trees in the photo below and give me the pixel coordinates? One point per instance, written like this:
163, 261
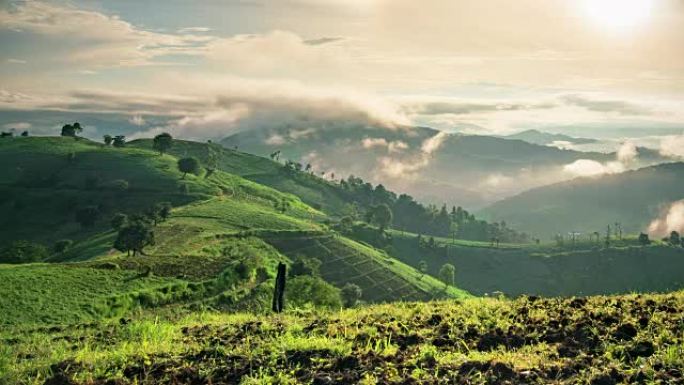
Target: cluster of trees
23, 252
136, 232
384, 207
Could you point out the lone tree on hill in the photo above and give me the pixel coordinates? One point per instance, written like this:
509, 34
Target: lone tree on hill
447, 274
189, 165
351, 294
71, 129
107, 139
134, 237
162, 142
643, 239
87, 216
119, 141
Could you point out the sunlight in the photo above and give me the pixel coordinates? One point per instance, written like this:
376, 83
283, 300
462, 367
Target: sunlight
619, 13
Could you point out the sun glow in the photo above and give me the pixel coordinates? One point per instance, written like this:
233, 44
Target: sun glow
619, 14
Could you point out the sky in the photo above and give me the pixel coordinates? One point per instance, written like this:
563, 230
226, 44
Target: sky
607, 69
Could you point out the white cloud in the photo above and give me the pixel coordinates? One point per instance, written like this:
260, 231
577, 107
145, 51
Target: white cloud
137, 120
672, 146
588, 167
670, 219
16, 61
627, 153
194, 30
95, 39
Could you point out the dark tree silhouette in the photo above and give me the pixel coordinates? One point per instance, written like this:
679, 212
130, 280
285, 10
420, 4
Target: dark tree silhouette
382, 216
189, 165
119, 220
107, 139
134, 237
162, 142
71, 129
119, 141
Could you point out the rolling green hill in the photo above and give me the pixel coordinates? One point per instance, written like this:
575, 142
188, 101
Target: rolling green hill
222, 229
633, 198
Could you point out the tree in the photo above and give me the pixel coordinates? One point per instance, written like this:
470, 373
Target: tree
305, 266
87, 216
119, 141
162, 142
382, 216
25, 134
351, 294
305, 290
107, 139
643, 239
164, 210
134, 237
189, 165
447, 274
674, 238
118, 221
71, 129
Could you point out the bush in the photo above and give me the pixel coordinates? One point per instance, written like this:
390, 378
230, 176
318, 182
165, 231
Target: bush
62, 245
23, 252
351, 294
305, 266
303, 291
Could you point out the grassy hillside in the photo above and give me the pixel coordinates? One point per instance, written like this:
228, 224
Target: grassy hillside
215, 251
633, 339
550, 270
315, 191
633, 198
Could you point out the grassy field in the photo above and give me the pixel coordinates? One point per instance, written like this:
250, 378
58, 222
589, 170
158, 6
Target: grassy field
634, 339
223, 220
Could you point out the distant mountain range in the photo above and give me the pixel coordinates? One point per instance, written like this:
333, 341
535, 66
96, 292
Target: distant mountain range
468, 170
546, 138
633, 198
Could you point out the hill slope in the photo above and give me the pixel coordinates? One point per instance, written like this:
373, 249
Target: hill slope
435, 167
633, 198
222, 229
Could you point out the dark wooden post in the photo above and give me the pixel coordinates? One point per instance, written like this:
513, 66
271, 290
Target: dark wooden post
279, 291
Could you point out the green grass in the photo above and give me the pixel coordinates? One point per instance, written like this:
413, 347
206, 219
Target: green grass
597, 340
61, 294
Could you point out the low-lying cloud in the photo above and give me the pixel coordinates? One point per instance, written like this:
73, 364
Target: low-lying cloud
672, 146
670, 219
625, 158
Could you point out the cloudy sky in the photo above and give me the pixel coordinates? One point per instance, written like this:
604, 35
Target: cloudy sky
599, 68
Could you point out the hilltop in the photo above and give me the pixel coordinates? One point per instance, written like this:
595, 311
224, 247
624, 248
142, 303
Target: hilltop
547, 138
633, 198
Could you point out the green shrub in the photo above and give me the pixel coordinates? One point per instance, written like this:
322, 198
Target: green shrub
303, 291
23, 252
